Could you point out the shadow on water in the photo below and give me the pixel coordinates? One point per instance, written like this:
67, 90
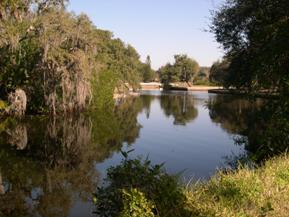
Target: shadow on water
262, 126
46, 164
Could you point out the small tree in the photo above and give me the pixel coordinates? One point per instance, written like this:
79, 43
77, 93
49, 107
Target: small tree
148, 73
184, 69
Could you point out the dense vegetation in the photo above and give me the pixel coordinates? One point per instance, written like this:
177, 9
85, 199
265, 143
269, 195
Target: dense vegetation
255, 37
55, 61
58, 59
219, 72
137, 188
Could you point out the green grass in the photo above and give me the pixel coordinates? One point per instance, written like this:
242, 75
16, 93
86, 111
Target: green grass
137, 188
244, 193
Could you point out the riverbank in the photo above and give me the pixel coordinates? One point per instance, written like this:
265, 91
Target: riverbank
178, 86
143, 189
246, 192
262, 94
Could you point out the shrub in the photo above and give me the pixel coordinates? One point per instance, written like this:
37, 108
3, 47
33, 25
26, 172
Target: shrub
138, 186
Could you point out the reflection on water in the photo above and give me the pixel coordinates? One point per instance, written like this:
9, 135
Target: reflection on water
260, 130
180, 107
48, 164
50, 167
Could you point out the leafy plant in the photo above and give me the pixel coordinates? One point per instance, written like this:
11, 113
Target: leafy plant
159, 191
136, 204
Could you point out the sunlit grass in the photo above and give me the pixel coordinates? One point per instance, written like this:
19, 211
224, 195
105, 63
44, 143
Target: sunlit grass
137, 188
244, 193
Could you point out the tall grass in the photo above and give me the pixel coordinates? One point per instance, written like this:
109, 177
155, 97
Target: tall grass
137, 188
243, 193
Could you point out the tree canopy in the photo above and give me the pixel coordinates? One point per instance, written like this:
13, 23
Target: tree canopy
57, 57
219, 72
255, 37
183, 69
148, 74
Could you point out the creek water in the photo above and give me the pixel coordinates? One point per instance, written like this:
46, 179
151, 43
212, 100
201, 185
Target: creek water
51, 167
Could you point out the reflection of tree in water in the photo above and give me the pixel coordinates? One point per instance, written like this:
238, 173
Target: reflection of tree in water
256, 121
114, 126
44, 173
55, 166
233, 113
181, 107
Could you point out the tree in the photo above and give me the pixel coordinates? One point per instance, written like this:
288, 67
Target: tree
57, 58
148, 74
167, 74
183, 69
219, 72
255, 37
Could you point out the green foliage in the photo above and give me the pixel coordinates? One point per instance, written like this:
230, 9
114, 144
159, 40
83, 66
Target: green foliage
57, 57
148, 74
103, 89
255, 36
120, 59
184, 69
158, 189
136, 205
219, 73
202, 77
133, 191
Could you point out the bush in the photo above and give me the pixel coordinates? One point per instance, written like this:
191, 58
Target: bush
136, 204
137, 187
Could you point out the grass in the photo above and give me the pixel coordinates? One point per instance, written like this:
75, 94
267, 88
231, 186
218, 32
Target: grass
245, 193
137, 188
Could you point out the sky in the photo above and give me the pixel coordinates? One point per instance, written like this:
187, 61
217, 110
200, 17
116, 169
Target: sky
159, 28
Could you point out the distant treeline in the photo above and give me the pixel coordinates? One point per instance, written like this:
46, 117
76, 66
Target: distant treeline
184, 69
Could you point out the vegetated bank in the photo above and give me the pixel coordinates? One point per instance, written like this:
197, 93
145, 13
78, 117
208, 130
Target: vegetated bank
137, 188
184, 74
53, 61
255, 59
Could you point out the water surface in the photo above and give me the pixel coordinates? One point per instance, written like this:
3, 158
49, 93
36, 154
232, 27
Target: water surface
50, 167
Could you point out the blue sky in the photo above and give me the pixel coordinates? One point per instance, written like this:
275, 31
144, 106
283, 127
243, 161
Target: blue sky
159, 28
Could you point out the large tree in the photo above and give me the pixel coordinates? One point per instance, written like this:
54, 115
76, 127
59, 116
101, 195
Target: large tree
255, 36
59, 59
